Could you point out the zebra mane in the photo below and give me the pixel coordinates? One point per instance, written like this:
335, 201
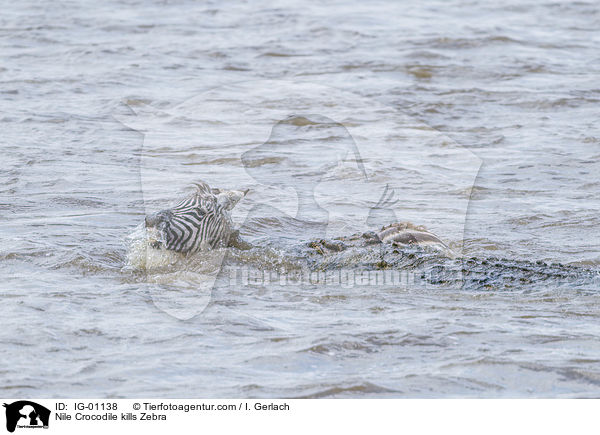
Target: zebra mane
202, 188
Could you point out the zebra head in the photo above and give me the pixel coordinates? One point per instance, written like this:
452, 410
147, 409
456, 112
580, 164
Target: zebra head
201, 221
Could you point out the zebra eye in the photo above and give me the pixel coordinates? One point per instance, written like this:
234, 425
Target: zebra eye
202, 210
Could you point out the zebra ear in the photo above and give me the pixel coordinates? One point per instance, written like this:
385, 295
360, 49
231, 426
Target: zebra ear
229, 198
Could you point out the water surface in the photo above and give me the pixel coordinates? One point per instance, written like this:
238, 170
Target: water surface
483, 119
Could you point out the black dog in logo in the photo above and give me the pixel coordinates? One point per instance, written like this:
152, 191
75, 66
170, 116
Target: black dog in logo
24, 408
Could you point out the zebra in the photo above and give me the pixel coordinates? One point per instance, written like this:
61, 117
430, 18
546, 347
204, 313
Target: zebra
200, 222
